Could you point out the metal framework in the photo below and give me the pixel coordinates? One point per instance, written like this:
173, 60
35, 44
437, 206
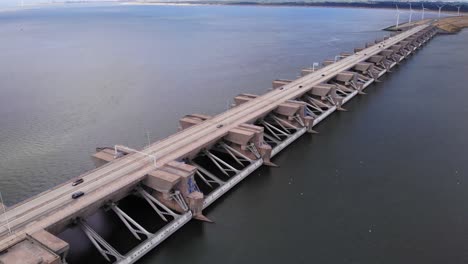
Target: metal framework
271, 140
254, 150
159, 207
221, 164
236, 155
274, 131
100, 243
131, 224
202, 172
176, 196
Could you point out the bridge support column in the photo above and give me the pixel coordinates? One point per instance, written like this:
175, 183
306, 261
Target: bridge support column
30, 250
245, 143
52, 242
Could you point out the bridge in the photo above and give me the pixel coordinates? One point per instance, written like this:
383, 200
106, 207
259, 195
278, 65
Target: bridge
186, 172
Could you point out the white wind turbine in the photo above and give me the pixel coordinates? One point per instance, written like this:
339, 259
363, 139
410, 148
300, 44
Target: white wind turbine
440, 8
458, 8
423, 9
410, 13
398, 12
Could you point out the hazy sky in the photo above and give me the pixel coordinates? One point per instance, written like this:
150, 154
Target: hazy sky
13, 3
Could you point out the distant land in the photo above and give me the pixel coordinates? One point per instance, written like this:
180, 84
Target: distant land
416, 5
448, 6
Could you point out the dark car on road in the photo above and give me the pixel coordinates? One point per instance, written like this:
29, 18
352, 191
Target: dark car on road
77, 195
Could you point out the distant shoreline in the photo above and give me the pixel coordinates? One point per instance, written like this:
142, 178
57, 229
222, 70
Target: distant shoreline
430, 6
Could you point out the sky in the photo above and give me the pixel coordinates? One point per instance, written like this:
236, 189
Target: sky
15, 3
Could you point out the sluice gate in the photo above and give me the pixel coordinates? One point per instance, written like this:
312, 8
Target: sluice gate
180, 176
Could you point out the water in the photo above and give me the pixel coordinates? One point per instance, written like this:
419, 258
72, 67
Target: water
384, 182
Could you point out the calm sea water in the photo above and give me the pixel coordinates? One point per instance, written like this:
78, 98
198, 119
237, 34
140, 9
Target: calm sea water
385, 182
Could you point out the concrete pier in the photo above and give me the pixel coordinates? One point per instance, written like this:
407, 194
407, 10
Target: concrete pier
186, 172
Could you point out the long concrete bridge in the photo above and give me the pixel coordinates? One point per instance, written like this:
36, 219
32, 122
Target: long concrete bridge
184, 173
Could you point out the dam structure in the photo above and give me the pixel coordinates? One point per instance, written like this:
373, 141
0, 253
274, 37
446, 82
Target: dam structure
181, 175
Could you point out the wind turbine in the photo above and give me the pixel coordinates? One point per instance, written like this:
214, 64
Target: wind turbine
440, 8
458, 8
422, 17
397, 16
410, 13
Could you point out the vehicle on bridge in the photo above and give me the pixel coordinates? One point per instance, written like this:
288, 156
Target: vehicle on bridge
77, 195
79, 181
